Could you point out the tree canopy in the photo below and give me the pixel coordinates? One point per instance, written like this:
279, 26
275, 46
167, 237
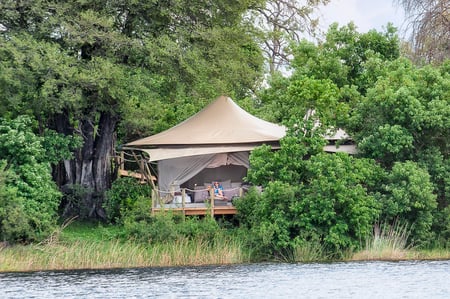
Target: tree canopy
94, 68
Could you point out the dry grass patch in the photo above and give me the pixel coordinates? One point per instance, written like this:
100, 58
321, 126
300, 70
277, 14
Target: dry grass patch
389, 242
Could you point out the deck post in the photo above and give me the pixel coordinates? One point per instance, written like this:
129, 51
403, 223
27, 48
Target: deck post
211, 197
153, 201
183, 201
122, 161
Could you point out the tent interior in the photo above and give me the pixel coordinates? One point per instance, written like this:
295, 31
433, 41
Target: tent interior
233, 173
196, 173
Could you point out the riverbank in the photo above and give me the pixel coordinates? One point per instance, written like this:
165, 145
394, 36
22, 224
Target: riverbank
114, 254
90, 247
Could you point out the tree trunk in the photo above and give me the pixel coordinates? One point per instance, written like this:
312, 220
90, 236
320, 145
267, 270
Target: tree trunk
88, 175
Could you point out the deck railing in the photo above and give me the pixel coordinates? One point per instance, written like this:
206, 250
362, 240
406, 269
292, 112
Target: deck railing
170, 200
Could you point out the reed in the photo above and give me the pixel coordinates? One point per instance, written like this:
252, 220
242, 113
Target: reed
115, 254
310, 252
389, 242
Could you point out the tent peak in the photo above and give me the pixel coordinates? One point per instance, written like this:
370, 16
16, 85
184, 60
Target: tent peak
221, 122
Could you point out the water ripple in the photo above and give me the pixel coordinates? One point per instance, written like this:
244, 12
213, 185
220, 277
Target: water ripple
409, 279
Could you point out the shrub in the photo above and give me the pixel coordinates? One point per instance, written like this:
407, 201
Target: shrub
13, 224
408, 195
334, 203
30, 194
332, 206
123, 194
140, 225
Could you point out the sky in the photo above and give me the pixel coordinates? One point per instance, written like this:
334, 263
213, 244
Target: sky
366, 14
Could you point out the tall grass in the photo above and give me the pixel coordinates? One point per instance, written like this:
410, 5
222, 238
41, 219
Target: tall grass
310, 252
115, 254
388, 242
90, 246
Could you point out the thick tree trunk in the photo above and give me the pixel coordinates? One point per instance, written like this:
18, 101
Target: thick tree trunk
91, 167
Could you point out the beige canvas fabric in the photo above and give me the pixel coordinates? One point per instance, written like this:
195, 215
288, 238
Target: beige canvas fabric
163, 153
221, 122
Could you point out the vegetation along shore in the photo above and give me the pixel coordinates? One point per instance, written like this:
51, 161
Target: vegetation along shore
92, 246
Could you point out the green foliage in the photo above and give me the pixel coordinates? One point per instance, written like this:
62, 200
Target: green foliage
57, 146
342, 57
388, 144
302, 140
330, 77
13, 223
309, 196
140, 225
335, 205
410, 106
120, 199
408, 195
441, 226
268, 219
406, 117
30, 196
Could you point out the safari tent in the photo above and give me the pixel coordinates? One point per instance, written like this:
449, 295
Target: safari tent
213, 144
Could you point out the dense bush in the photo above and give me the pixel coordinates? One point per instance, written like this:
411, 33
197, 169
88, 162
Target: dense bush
334, 203
30, 198
332, 206
122, 196
309, 196
13, 224
408, 196
140, 225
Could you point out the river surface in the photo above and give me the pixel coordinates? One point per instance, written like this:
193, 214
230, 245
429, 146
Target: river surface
407, 279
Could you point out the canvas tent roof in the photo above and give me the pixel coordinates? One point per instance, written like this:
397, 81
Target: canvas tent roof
221, 122
220, 127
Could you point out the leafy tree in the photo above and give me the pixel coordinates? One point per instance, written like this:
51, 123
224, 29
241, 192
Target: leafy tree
406, 116
330, 77
302, 140
309, 196
344, 55
335, 203
91, 68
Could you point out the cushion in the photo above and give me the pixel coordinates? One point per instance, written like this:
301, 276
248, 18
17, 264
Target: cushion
226, 184
200, 193
230, 193
235, 184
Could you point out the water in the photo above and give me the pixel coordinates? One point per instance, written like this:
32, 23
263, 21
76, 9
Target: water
410, 279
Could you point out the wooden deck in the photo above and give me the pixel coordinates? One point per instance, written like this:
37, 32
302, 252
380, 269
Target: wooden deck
190, 210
